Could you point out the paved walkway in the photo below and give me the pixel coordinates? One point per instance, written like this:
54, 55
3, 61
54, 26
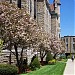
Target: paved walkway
70, 68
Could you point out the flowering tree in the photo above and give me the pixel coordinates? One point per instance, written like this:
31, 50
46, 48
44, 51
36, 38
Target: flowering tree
43, 46
49, 43
62, 47
56, 46
17, 28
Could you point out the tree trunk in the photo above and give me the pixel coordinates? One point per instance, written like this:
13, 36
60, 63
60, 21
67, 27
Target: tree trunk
42, 55
10, 58
10, 47
41, 59
21, 62
55, 55
16, 52
21, 54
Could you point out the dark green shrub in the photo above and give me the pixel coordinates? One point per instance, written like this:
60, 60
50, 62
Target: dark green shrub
63, 57
68, 56
35, 64
49, 57
8, 69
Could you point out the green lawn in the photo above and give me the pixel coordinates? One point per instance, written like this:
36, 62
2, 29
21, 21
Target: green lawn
56, 69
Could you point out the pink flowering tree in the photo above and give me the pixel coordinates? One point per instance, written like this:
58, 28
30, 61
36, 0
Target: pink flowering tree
43, 46
17, 29
56, 46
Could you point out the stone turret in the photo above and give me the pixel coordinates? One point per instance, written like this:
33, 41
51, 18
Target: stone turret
57, 7
55, 18
57, 10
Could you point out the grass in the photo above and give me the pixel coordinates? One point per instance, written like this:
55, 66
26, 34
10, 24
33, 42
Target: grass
56, 69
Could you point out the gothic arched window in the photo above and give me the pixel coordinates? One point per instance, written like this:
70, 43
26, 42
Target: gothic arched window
30, 6
34, 9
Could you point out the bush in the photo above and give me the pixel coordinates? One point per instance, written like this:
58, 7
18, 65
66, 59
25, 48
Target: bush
35, 64
8, 69
68, 56
51, 62
49, 57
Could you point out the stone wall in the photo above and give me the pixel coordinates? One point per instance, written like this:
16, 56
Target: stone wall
43, 16
40, 13
53, 24
47, 19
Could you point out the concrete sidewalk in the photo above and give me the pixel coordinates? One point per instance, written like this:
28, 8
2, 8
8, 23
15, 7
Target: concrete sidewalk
70, 68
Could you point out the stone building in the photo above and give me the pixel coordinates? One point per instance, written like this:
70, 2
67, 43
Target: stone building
70, 44
45, 14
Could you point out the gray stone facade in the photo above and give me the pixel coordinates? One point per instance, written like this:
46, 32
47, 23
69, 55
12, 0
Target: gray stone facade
46, 15
43, 15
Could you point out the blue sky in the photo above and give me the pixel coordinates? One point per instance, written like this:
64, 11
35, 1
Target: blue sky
67, 17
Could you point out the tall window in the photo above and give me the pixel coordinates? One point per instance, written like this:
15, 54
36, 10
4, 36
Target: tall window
34, 9
66, 40
74, 46
59, 35
19, 3
30, 7
67, 46
73, 39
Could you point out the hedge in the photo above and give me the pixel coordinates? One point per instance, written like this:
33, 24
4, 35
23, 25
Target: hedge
8, 69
